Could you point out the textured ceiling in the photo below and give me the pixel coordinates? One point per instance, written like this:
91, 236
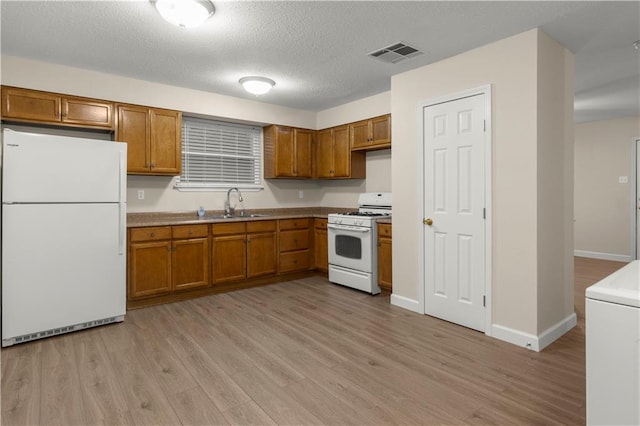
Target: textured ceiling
316, 51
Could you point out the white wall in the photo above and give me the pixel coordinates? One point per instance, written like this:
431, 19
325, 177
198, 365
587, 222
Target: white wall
511, 67
555, 182
603, 215
158, 191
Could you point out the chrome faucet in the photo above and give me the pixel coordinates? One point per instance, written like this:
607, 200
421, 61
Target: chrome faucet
228, 210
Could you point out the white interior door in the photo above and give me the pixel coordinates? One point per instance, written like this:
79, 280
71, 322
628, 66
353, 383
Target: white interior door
454, 164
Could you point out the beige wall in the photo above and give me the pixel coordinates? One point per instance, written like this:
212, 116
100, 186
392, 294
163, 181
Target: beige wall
345, 193
361, 109
555, 182
159, 192
603, 215
510, 66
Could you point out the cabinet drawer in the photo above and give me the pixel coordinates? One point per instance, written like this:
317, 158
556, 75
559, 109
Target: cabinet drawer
294, 261
228, 228
261, 226
294, 224
151, 234
294, 240
321, 223
189, 231
384, 230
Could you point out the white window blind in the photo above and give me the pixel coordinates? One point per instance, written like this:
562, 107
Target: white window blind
217, 154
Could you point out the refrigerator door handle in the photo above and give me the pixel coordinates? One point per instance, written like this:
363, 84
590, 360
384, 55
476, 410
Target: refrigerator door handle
122, 204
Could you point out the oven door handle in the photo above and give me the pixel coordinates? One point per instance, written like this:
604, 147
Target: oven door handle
349, 228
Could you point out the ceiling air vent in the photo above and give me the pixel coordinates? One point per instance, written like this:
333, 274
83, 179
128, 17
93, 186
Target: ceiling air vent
395, 53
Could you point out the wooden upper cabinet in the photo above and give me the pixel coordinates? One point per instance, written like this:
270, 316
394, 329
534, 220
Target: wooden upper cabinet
85, 113
153, 137
303, 140
166, 141
334, 159
374, 133
35, 106
287, 152
134, 129
284, 152
324, 154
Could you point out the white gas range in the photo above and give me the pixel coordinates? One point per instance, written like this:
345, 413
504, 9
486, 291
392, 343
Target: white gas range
353, 249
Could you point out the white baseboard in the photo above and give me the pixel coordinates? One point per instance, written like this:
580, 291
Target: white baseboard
530, 341
603, 256
515, 337
556, 331
406, 303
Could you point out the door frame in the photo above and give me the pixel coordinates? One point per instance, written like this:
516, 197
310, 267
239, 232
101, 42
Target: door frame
488, 260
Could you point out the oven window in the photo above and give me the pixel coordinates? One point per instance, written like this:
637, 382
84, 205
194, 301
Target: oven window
348, 246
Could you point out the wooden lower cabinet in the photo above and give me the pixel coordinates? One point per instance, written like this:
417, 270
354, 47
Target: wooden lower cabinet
150, 268
262, 249
169, 263
243, 250
295, 248
320, 245
385, 268
190, 262
167, 258
228, 252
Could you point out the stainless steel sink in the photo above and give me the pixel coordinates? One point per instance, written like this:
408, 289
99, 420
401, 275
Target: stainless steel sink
228, 216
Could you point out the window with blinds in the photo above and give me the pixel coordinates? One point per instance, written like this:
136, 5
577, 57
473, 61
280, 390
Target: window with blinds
217, 154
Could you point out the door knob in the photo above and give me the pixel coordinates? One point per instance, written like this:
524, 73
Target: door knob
428, 221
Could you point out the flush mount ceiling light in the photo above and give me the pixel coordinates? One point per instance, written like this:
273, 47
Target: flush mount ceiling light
184, 13
636, 45
257, 85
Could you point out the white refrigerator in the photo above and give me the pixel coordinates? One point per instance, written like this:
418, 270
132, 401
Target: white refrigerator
63, 234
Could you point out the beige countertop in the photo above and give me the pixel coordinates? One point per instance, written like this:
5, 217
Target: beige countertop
137, 220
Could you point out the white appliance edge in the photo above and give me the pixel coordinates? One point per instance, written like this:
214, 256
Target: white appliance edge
63, 234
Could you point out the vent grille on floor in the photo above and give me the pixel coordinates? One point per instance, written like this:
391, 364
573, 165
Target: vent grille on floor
62, 330
395, 53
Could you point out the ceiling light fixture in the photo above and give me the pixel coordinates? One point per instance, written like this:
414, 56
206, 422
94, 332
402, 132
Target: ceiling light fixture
184, 13
636, 45
257, 85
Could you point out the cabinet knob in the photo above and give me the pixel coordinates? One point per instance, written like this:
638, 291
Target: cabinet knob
190, 232
153, 234
152, 165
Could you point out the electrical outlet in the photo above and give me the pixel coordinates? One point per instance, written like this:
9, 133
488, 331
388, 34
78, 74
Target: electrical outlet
140, 194
300, 194
623, 179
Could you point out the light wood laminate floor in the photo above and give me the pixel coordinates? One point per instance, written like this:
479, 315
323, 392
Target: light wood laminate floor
300, 352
